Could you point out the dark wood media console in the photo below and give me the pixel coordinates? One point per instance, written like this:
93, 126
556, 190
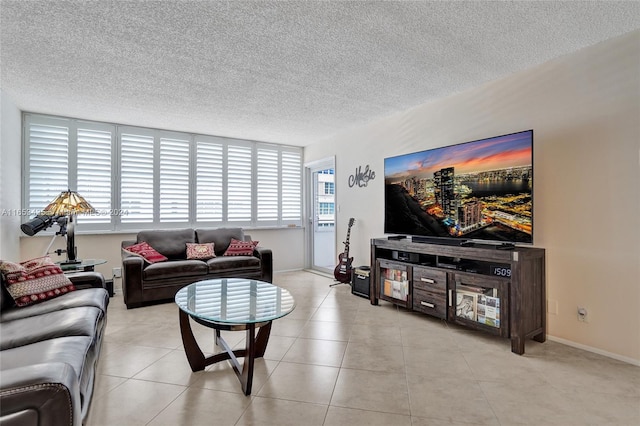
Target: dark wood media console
479, 286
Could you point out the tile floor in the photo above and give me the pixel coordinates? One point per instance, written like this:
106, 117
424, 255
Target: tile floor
337, 360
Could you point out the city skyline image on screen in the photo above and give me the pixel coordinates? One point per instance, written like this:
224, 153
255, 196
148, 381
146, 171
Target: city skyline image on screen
475, 190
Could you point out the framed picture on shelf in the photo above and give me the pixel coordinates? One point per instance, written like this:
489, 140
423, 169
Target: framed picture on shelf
466, 305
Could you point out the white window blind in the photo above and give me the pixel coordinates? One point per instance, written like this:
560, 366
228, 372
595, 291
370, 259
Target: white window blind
159, 178
291, 187
174, 180
94, 147
136, 177
209, 181
47, 163
239, 185
267, 197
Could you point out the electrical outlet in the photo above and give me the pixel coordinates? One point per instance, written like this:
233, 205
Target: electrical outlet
117, 272
552, 306
582, 314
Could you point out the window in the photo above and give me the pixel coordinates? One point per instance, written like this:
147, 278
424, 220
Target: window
329, 188
153, 178
326, 208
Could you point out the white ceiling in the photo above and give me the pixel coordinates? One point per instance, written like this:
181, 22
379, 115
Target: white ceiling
287, 72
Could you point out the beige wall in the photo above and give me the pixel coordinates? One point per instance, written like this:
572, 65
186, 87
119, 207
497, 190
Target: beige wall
585, 112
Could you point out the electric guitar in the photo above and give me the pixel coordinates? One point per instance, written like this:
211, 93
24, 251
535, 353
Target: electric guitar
342, 273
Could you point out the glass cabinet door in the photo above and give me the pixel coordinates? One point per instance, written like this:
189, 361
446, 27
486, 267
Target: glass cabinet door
480, 303
394, 282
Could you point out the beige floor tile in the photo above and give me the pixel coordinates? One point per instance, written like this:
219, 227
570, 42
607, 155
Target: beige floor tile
278, 412
134, 402
491, 365
287, 327
371, 390
316, 352
363, 356
172, 368
278, 346
428, 335
129, 360
457, 399
327, 330
376, 335
343, 315
441, 363
532, 405
301, 382
196, 407
338, 416
383, 315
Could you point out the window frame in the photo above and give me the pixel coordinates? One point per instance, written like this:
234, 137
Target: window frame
117, 224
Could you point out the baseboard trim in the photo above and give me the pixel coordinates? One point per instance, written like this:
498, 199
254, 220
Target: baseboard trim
595, 350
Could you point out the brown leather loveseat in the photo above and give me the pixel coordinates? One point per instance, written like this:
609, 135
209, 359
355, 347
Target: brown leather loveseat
144, 282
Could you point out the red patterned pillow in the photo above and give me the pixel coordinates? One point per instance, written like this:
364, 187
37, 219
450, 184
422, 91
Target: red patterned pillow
147, 252
240, 248
200, 251
35, 280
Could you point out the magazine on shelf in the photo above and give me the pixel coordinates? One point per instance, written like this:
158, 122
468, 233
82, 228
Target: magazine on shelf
466, 304
488, 310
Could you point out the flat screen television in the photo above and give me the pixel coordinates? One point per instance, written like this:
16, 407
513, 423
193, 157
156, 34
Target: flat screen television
479, 190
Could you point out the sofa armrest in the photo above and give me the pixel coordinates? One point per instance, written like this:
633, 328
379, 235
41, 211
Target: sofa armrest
87, 279
266, 262
132, 269
40, 395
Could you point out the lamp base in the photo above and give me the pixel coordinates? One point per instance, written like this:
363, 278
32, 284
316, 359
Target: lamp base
70, 262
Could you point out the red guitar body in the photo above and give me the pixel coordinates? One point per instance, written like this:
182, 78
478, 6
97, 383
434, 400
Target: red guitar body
342, 272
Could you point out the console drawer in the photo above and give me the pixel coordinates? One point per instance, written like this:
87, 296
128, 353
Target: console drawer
429, 280
430, 303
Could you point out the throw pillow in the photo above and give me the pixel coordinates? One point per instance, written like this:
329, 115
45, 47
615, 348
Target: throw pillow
35, 280
147, 252
200, 251
240, 248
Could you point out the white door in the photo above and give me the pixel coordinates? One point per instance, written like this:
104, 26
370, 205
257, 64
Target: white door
321, 213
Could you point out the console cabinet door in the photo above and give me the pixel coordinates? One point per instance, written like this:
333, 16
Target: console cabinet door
480, 302
394, 282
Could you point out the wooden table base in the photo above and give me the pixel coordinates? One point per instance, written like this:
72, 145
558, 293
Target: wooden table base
255, 347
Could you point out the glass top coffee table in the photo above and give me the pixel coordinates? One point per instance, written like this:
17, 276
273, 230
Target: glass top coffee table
231, 304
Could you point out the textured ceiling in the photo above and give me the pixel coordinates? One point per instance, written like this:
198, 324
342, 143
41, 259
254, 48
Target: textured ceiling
286, 72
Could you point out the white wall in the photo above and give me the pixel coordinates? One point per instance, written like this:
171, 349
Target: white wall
585, 112
10, 178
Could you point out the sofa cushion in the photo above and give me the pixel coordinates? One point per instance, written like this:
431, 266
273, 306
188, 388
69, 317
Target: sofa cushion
147, 252
221, 237
95, 297
34, 280
81, 321
240, 248
172, 242
202, 251
221, 264
174, 268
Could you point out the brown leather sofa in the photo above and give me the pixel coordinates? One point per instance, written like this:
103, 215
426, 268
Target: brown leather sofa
143, 283
48, 355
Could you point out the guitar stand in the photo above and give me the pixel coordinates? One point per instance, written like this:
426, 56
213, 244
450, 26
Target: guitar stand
337, 283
